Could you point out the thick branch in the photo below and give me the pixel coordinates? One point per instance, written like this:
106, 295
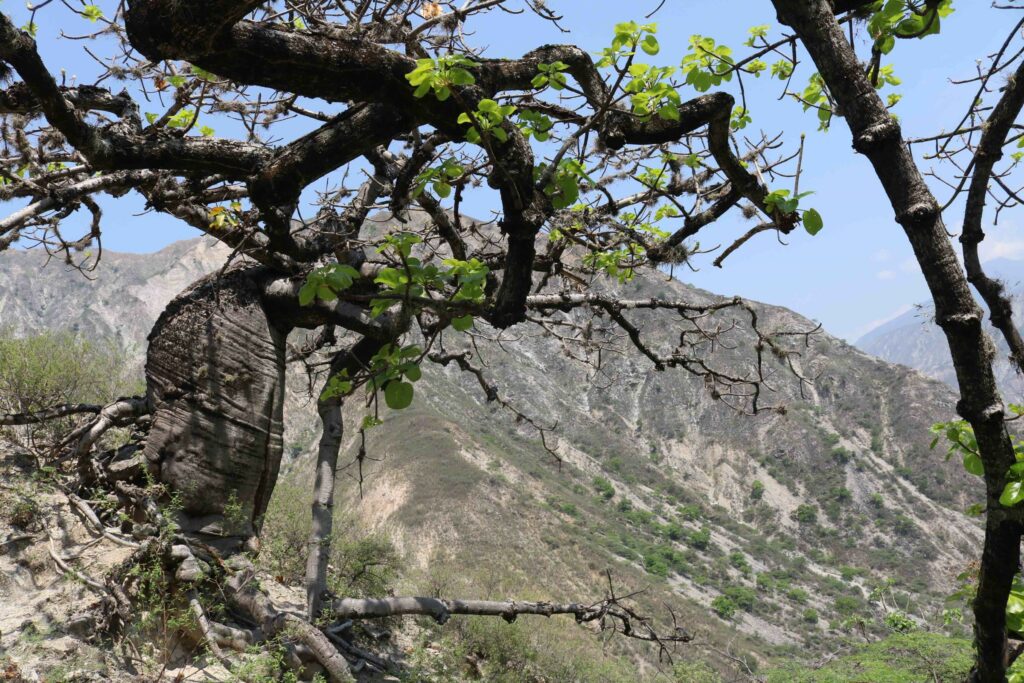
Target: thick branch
877, 135
441, 610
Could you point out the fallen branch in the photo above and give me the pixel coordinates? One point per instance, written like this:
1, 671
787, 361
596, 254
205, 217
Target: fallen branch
207, 630
35, 417
441, 610
101, 529
108, 417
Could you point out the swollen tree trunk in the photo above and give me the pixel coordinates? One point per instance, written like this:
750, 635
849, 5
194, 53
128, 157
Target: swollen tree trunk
215, 385
877, 135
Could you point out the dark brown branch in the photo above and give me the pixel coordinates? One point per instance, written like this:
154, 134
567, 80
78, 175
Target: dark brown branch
878, 136
989, 151
12, 419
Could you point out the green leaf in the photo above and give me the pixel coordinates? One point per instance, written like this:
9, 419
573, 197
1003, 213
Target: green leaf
92, 13
461, 77
812, 221
398, 394
973, 464
462, 324
650, 45
1013, 493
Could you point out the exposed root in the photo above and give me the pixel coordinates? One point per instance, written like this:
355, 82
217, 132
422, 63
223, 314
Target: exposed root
65, 568
206, 628
100, 528
243, 594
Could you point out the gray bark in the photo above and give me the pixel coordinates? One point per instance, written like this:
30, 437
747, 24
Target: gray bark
215, 383
326, 466
323, 505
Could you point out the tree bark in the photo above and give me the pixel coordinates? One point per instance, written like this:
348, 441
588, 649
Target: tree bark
244, 594
323, 505
215, 387
877, 135
326, 467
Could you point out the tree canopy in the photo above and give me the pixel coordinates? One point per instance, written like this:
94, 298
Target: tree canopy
596, 166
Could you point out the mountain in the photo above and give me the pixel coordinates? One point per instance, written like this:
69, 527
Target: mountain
913, 339
766, 534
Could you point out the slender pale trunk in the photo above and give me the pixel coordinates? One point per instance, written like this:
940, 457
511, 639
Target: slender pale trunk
323, 504
353, 360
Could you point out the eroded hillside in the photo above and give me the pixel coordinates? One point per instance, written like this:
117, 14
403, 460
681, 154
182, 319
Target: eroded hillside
766, 533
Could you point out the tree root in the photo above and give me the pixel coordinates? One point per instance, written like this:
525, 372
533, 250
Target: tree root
206, 628
243, 594
64, 567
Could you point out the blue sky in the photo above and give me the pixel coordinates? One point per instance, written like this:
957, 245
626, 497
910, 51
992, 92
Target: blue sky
856, 273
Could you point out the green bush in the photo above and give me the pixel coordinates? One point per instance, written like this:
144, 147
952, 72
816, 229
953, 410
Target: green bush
689, 512
604, 488
700, 539
805, 514
900, 658
810, 615
694, 672
723, 607
743, 597
847, 605
53, 368
739, 561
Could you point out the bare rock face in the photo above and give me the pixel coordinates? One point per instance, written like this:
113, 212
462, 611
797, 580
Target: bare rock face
215, 377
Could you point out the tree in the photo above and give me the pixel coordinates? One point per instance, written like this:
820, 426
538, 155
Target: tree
589, 163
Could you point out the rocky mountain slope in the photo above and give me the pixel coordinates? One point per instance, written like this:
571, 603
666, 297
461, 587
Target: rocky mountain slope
913, 339
766, 534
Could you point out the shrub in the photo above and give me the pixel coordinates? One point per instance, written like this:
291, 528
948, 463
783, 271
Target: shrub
694, 672
23, 514
765, 582
849, 573
899, 658
903, 525
673, 531
810, 616
52, 368
654, 564
757, 490
847, 605
899, 622
805, 514
689, 512
362, 565
604, 488
723, 607
700, 539
738, 560
743, 597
